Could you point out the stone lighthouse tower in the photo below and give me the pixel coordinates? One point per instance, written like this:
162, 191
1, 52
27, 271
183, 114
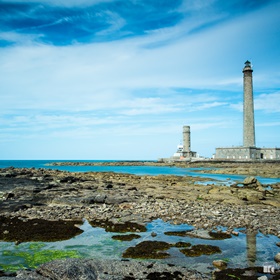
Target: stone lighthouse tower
186, 141
248, 107
248, 151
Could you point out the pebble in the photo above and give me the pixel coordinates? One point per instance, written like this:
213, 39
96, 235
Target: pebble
262, 278
277, 257
220, 264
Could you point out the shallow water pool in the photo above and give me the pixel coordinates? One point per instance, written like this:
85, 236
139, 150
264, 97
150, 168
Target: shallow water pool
239, 251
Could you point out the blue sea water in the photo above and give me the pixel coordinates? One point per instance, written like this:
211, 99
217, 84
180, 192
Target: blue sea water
137, 170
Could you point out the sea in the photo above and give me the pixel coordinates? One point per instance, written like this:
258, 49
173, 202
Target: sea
238, 251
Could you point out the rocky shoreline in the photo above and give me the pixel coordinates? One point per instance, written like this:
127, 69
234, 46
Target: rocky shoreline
111, 199
269, 168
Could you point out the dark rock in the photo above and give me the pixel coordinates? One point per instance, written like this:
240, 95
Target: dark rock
182, 244
165, 275
218, 235
118, 227
69, 179
201, 249
8, 196
148, 250
178, 233
36, 230
127, 237
251, 273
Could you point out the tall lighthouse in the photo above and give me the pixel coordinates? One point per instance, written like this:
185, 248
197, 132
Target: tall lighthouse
248, 107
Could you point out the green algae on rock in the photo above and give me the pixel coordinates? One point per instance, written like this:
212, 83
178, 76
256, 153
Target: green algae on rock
20, 230
148, 250
34, 257
127, 237
201, 249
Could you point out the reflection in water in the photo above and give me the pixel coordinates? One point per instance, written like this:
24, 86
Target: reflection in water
251, 239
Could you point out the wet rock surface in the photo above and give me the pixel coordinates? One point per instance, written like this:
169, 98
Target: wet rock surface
148, 250
250, 273
201, 249
26, 230
113, 200
74, 269
126, 237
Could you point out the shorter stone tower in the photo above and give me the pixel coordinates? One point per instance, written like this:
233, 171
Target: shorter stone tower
186, 141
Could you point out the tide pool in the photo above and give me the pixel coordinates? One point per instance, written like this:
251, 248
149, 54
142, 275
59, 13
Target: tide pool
239, 251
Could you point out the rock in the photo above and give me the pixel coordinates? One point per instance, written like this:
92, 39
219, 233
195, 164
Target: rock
262, 278
220, 264
8, 195
73, 269
277, 257
116, 199
249, 180
100, 198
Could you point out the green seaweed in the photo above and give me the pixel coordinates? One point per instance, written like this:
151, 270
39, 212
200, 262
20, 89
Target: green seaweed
36, 246
35, 257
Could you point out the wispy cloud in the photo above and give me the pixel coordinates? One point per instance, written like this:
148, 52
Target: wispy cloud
268, 102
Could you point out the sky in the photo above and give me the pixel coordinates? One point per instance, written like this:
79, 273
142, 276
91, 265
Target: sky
118, 79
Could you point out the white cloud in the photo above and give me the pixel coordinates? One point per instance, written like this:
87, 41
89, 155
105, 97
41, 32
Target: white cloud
268, 102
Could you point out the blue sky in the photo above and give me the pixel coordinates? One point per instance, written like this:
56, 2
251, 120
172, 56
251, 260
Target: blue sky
108, 79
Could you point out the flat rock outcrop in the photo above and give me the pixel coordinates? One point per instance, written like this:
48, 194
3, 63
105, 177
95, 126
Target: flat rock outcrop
58, 195
73, 269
